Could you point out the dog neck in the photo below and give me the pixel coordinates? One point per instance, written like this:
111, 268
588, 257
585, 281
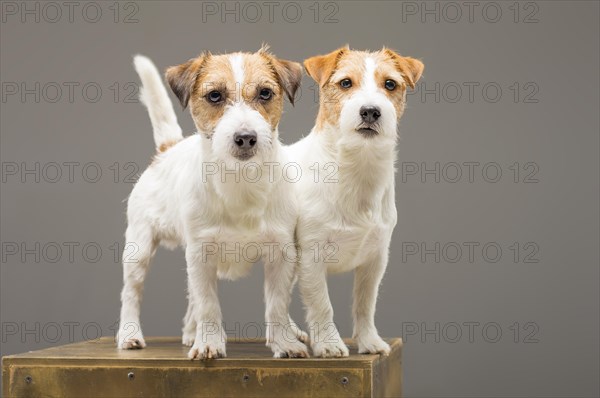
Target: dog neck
244, 187
365, 167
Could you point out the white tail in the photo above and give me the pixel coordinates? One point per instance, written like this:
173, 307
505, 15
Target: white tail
154, 96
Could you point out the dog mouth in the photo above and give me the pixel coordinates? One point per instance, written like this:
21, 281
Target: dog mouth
367, 131
244, 155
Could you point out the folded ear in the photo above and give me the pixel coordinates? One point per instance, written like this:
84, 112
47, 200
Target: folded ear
411, 68
182, 78
321, 67
289, 74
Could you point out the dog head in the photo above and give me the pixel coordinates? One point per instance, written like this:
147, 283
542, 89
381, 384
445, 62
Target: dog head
236, 100
363, 94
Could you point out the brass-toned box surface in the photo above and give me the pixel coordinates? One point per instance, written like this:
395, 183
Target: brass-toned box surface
98, 369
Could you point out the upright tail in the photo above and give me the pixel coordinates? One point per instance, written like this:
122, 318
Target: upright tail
154, 96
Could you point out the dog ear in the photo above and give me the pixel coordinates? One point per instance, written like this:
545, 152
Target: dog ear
411, 68
289, 74
321, 67
182, 78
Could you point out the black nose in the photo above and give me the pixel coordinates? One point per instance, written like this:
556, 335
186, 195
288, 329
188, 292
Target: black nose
245, 139
370, 114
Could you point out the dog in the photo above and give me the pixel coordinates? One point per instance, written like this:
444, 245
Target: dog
215, 194
347, 203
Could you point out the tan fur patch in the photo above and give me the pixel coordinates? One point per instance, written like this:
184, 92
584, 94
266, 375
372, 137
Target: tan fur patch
411, 68
259, 74
387, 69
321, 67
350, 65
214, 73
330, 69
166, 145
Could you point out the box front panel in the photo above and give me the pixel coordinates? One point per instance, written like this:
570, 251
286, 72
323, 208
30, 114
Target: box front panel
189, 381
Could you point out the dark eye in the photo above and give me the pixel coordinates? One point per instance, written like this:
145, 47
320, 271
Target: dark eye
265, 94
214, 96
390, 85
346, 83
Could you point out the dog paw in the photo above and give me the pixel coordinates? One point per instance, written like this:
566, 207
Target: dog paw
372, 344
205, 351
302, 336
131, 342
130, 337
299, 333
334, 349
289, 349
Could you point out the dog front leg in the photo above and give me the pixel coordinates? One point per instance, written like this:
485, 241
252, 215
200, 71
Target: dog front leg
282, 333
210, 338
367, 278
325, 339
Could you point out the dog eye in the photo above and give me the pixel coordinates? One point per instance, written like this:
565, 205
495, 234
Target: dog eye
390, 85
346, 83
214, 96
265, 94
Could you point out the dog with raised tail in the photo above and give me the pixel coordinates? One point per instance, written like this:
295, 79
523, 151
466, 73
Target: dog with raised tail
217, 193
347, 204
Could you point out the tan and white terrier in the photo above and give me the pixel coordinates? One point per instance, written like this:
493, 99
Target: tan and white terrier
191, 195
347, 208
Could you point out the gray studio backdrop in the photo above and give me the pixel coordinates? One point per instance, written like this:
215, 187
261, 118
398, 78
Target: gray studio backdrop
493, 275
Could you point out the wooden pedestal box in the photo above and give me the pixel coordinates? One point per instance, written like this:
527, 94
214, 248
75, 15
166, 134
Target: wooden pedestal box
98, 369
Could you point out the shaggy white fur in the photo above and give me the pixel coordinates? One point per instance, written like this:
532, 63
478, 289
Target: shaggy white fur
196, 195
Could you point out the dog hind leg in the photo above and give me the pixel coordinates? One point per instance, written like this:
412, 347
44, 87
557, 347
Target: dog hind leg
189, 322
139, 249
